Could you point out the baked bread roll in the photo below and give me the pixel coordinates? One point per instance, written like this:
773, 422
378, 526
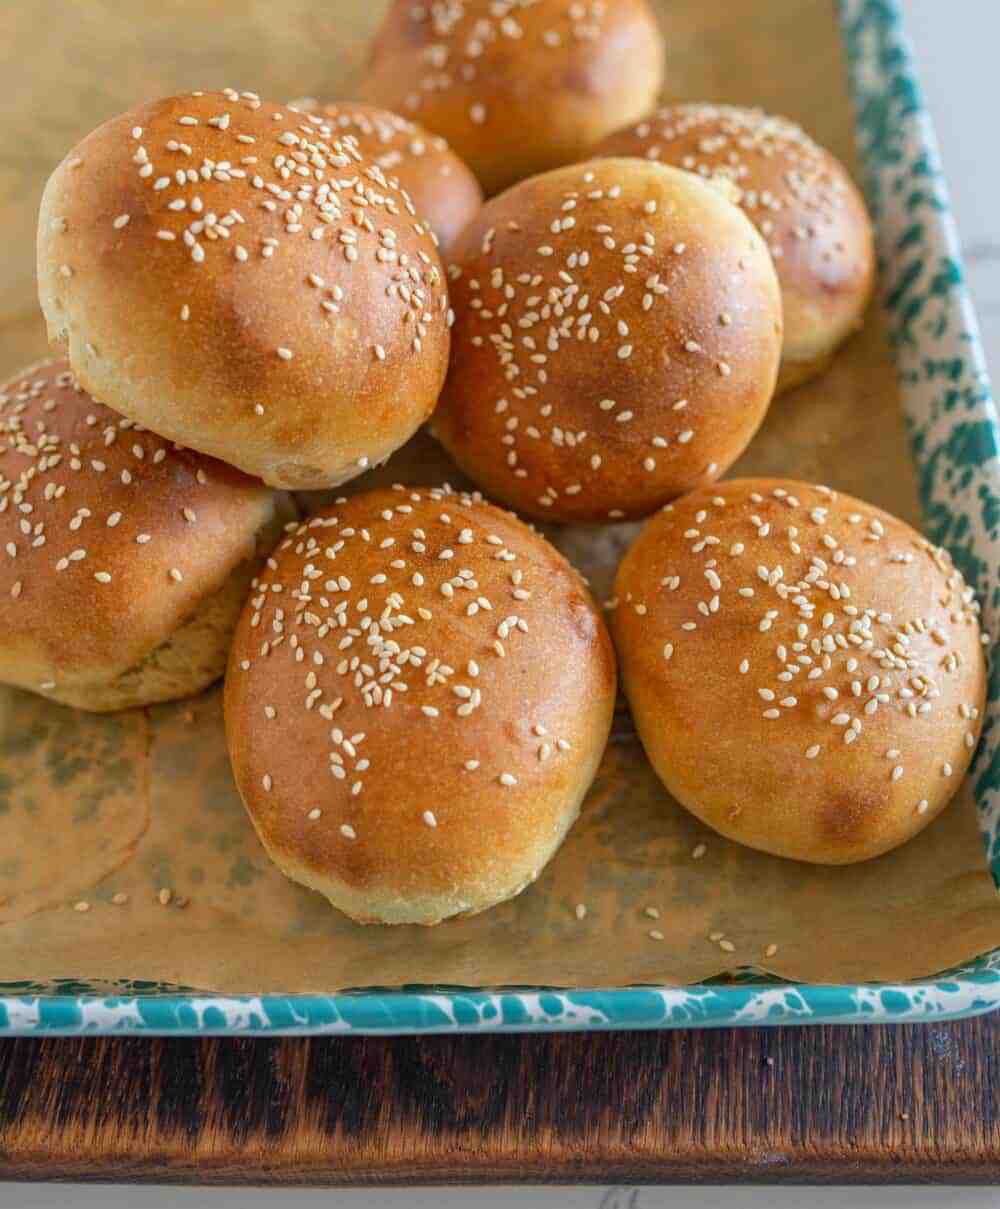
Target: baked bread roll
442, 187
801, 199
616, 341
231, 278
805, 671
126, 560
418, 697
517, 86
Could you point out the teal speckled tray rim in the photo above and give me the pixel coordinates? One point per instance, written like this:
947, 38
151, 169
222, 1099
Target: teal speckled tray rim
954, 436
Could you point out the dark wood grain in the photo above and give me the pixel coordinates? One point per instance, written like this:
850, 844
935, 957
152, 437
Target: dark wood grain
905, 1103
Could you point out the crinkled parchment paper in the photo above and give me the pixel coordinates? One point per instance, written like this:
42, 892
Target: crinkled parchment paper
94, 808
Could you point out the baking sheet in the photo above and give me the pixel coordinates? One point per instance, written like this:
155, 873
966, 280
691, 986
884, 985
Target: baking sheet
98, 808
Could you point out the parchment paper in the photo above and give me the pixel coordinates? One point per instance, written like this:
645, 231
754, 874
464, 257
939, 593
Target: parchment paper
95, 808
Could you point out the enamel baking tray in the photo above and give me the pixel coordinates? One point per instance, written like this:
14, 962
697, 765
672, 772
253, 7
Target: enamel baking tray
953, 429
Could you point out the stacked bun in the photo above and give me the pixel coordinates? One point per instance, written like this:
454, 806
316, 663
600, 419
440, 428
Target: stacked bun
799, 197
517, 86
616, 342
419, 688
442, 188
226, 273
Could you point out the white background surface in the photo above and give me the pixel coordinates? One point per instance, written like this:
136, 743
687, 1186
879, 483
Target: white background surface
956, 43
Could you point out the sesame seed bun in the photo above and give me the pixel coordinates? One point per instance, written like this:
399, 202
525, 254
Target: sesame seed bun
800, 198
226, 275
441, 186
616, 341
520, 86
805, 671
124, 561
419, 693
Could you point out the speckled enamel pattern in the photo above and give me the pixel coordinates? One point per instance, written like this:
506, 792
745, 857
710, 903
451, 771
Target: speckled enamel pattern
954, 434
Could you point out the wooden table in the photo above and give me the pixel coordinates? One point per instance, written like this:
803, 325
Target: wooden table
903, 1103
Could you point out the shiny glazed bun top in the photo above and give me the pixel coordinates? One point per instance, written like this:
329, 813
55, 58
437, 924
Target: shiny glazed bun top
418, 697
805, 670
517, 86
616, 341
800, 198
231, 277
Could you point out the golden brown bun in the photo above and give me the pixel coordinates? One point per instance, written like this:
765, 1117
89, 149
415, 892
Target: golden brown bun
441, 186
799, 197
418, 697
517, 86
263, 311
125, 561
616, 342
805, 671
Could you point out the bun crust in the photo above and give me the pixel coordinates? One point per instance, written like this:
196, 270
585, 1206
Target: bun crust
804, 670
230, 278
441, 186
418, 697
125, 559
520, 86
799, 196
616, 341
